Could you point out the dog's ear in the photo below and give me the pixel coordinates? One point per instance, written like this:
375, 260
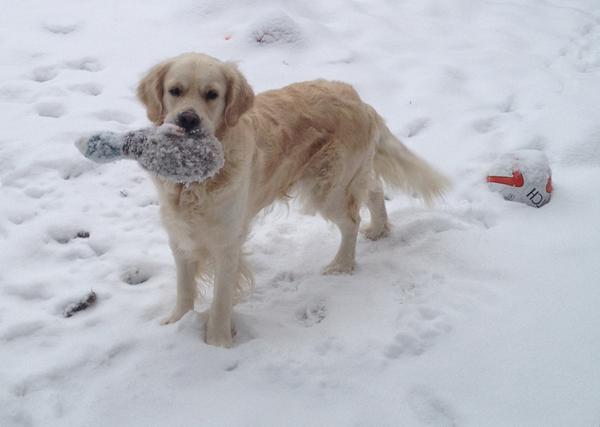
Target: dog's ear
151, 89
240, 95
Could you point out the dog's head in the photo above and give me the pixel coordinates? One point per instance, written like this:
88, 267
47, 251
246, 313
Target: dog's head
195, 91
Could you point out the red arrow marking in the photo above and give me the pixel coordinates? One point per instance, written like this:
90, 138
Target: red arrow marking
514, 181
549, 187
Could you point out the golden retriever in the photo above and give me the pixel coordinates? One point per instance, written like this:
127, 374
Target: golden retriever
315, 139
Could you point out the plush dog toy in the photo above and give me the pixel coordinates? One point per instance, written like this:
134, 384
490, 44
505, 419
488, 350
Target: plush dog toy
166, 151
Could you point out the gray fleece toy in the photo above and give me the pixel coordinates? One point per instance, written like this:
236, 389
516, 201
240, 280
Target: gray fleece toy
166, 151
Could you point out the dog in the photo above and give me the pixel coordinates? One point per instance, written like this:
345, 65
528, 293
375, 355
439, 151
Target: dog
317, 140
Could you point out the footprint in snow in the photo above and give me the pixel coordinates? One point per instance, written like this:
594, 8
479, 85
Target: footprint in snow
50, 109
508, 105
312, 313
36, 192
405, 344
69, 169
60, 29
431, 409
21, 217
64, 235
43, 74
485, 125
421, 321
46, 73
87, 63
93, 89
428, 313
283, 279
135, 275
417, 339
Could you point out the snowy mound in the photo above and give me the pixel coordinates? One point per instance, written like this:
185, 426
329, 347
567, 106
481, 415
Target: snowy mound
277, 29
165, 151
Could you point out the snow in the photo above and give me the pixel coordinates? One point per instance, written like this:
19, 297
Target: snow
475, 312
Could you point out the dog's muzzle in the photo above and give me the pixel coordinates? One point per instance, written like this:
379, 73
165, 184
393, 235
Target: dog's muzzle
188, 120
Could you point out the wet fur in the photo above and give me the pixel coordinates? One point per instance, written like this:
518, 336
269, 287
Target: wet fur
317, 140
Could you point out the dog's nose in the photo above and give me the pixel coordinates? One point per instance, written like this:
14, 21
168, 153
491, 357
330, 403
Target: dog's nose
188, 120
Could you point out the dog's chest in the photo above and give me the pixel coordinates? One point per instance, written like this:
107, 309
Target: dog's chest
193, 217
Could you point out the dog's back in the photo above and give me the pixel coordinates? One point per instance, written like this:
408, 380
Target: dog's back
316, 133
320, 135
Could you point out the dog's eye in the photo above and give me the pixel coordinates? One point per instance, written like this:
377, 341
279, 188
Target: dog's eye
175, 91
211, 94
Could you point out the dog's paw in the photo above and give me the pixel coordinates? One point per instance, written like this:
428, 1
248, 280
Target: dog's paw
219, 336
375, 233
219, 340
177, 314
337, 267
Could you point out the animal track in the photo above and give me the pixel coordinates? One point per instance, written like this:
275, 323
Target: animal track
312, 313
135, 276
508, 105
61, 29
64, 235
428, 313
484, 125
405, 344
18, 218
49, 72
421, 320
430, 409
85, 64
283, 284
73, 169
93, 89
282, 278
44, 74
36, 192
583, 52
587, 50
50, 109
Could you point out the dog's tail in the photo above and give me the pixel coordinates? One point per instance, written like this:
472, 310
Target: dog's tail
398, 167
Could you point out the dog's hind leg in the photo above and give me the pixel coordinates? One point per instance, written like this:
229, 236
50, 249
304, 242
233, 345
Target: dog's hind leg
379, 226
345, 214
344, 260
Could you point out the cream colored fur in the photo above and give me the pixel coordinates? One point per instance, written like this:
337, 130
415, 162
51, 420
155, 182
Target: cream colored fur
316, 139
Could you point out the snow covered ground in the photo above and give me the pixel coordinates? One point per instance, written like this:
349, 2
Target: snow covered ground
477, 312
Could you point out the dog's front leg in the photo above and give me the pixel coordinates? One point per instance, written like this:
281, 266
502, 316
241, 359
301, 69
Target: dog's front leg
186, 284
220, 327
